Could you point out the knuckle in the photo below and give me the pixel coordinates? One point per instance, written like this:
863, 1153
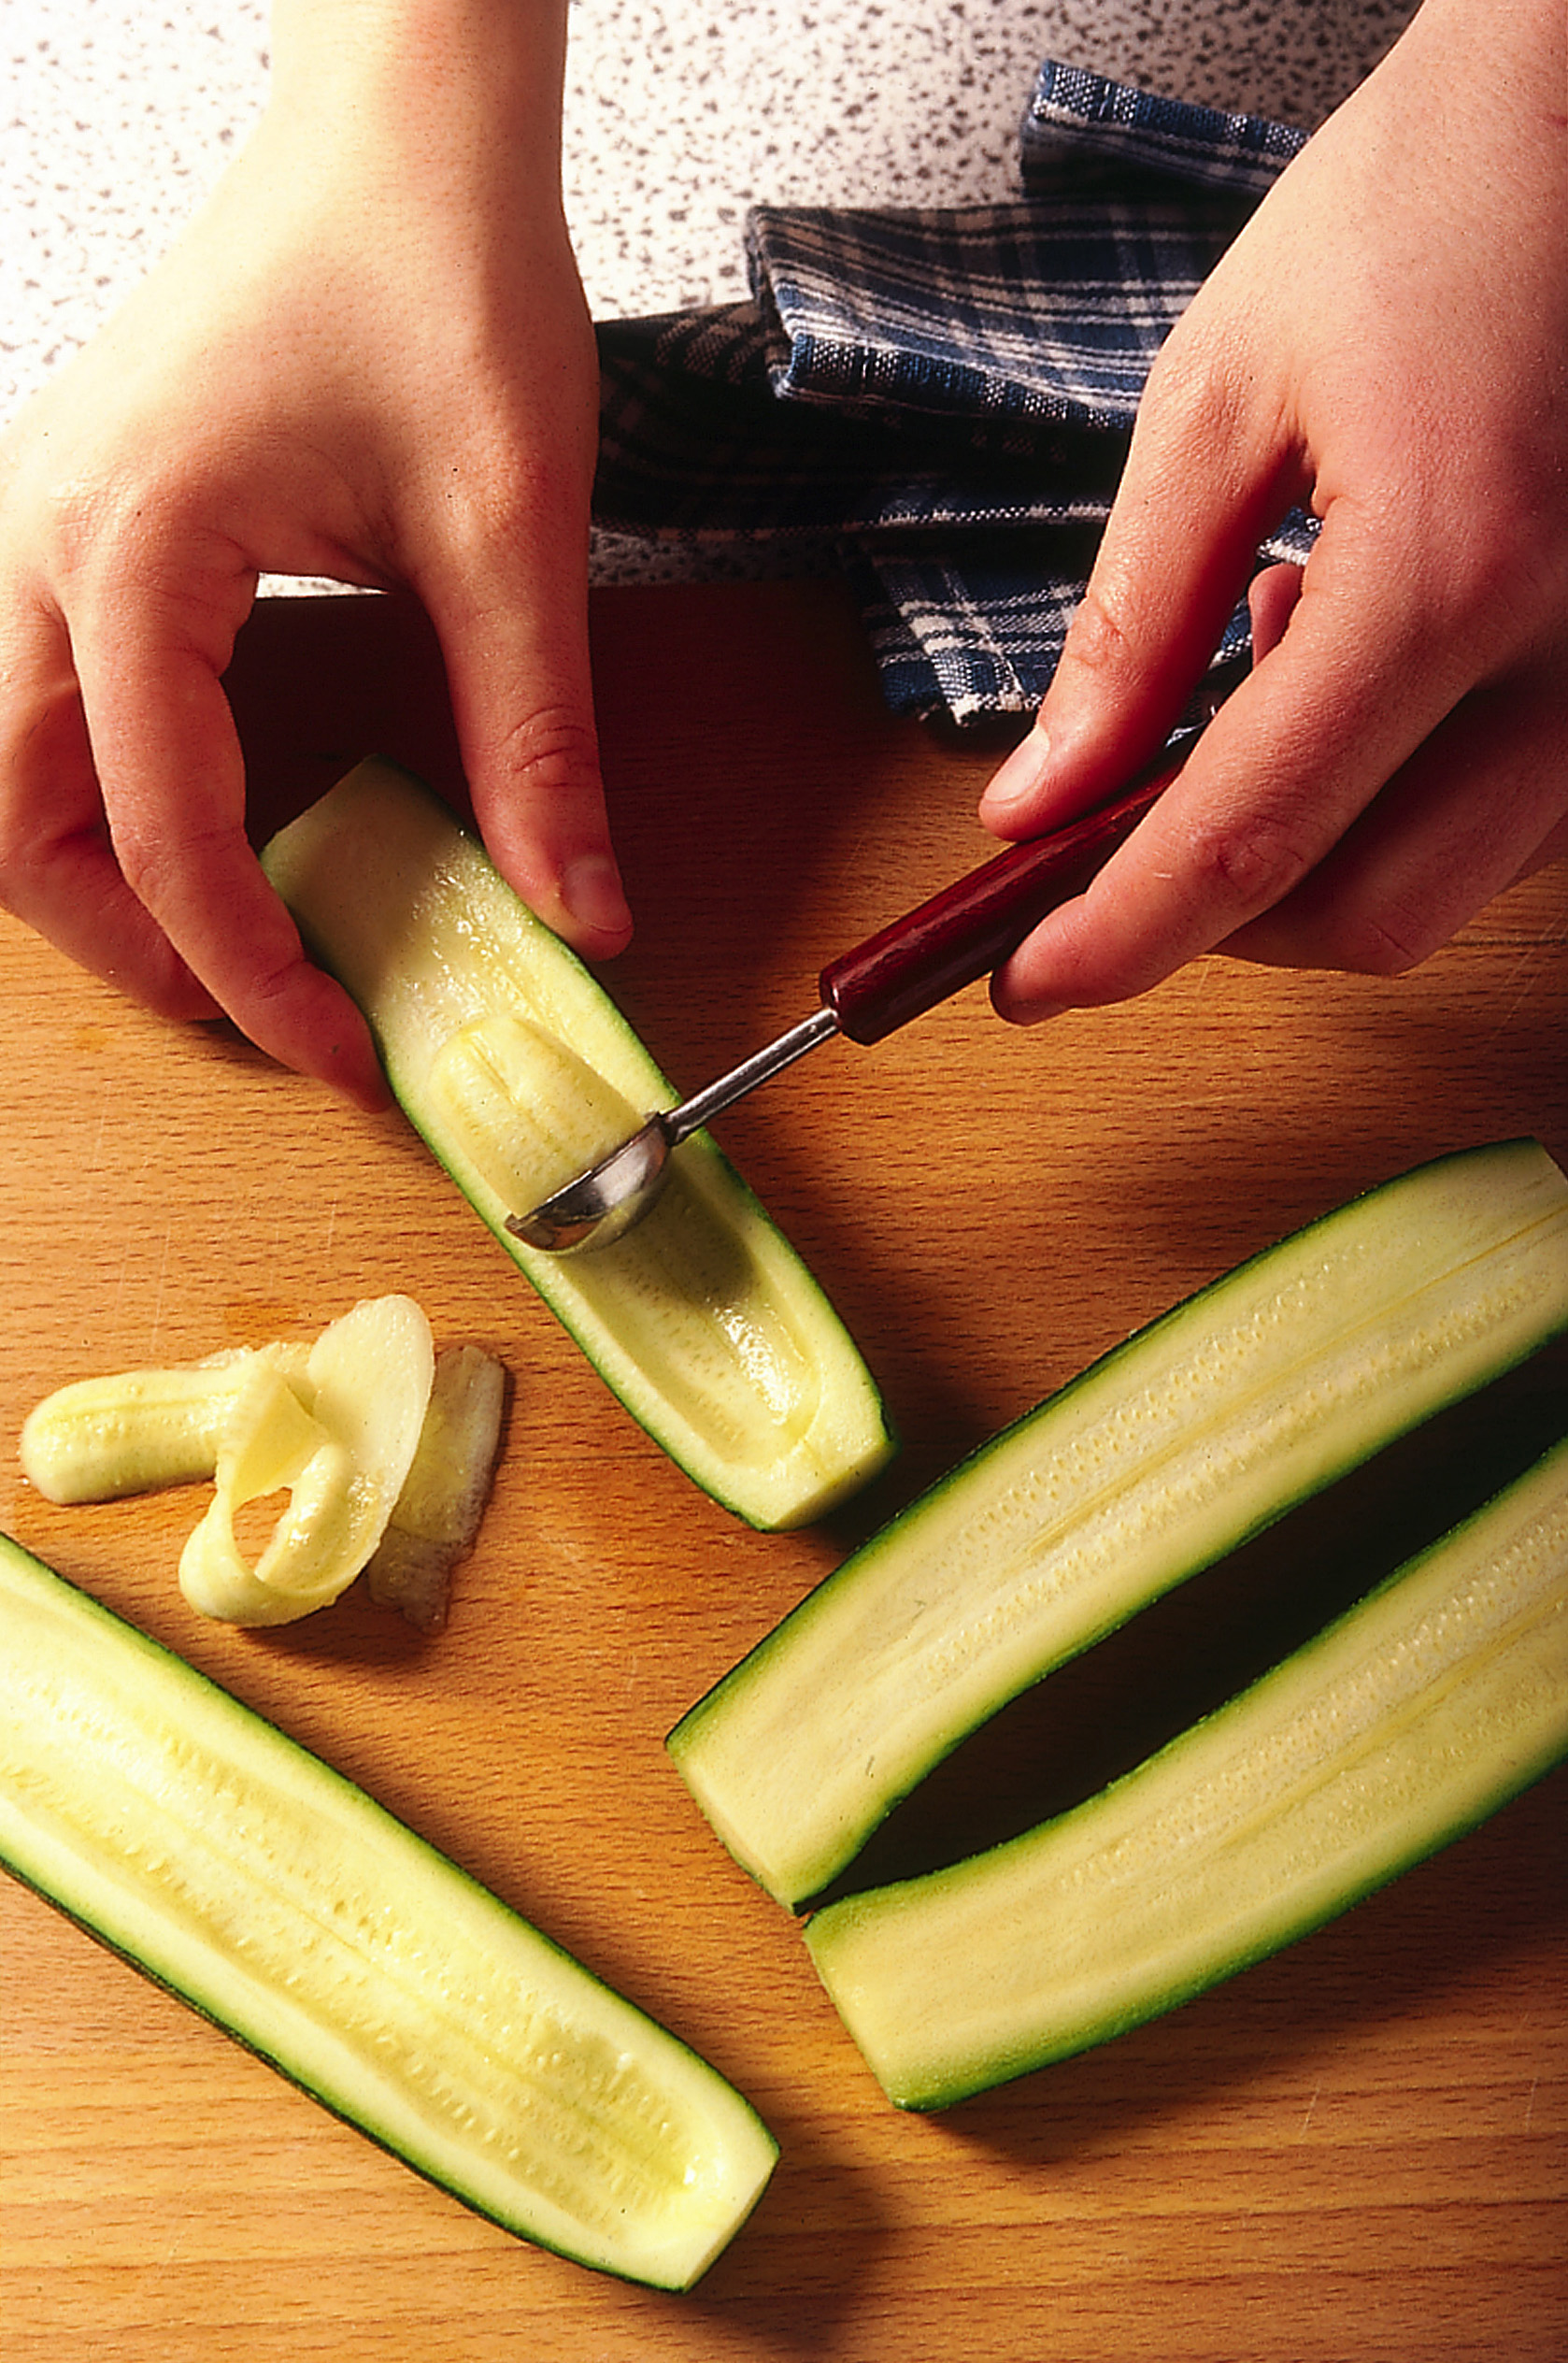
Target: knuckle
95, 522
274, 983
148, 863
1498, 564
1376, 944
550, 754
157, 859
1251, 861
1101, 641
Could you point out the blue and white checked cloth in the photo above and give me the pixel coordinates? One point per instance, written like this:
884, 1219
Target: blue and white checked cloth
943, 397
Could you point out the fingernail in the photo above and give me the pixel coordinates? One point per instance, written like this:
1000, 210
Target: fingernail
1020, 775
1018, 1010
592, 894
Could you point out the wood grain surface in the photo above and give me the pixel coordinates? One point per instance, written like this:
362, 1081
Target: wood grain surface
1357, 2148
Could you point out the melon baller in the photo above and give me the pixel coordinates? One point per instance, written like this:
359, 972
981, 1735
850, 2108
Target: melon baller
957, 936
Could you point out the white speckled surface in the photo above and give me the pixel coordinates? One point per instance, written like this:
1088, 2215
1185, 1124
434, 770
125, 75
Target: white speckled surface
117, 120
681, 114
119, 116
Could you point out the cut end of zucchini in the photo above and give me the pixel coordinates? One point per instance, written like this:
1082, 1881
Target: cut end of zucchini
517, 1070
245, 1876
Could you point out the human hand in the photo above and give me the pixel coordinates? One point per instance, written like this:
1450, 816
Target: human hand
368, 358
1387, 339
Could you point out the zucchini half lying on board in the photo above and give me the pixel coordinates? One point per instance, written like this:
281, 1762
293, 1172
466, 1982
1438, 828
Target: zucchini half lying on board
1423, 1710
518, 1071
1196, 1434
241, 1872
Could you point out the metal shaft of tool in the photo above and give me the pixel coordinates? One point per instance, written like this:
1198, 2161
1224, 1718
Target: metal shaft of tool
677, 1123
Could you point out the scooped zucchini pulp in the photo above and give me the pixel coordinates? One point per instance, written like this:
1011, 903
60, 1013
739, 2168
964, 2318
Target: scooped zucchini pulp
238, 1870
1170, 1452
518, 1071
384, 1447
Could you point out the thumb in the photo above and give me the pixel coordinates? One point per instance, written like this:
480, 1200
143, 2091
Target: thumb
517, 659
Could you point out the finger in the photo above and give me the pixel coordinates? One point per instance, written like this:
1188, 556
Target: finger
513, 635
1200, 489
57, 869
1482, 802
1271, 599
173, 778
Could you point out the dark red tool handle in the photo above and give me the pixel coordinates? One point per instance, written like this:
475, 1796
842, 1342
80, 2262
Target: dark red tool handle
971, 927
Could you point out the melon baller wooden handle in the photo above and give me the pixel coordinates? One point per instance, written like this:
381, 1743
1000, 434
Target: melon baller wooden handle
971, 927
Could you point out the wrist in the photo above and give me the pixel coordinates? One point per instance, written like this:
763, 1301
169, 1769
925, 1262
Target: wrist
455, 84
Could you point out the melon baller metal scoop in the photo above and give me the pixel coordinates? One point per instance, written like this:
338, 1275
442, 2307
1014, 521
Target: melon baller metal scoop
957, 936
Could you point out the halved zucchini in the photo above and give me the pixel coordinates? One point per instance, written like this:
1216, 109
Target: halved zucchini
1196, 1434
1419, 1712
262, 1887
518, 1070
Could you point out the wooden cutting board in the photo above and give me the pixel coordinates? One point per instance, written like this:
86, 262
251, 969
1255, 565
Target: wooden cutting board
1356, 2149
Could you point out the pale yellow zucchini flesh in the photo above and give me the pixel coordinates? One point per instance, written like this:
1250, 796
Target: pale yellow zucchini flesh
1157, 1460
97, 1439
243, 1873
342, 1446
518, 1069
1408, 1721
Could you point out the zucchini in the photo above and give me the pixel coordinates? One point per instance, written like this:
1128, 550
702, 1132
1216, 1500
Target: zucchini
1408, 1721
1168, 1452
98, 1439
241, 1872
518, 1070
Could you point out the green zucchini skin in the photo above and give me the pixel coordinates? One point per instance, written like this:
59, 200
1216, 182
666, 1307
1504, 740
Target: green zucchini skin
1168, 1452
243, 1874
1405, 1723
702, 1320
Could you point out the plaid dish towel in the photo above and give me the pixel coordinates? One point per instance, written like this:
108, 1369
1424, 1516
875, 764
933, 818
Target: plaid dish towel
943, 397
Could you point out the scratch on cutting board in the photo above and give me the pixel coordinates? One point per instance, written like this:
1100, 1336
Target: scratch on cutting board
158, 1290
1529, 2102
1524, 978
95, 1162
1311, 2106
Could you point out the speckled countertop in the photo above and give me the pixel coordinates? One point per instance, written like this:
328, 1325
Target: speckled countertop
119, 116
